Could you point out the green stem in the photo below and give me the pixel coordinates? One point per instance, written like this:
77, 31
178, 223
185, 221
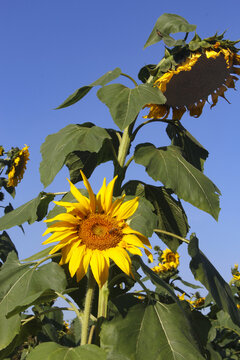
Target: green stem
87, 308
130, 78
103, 301
171, 234
77, 312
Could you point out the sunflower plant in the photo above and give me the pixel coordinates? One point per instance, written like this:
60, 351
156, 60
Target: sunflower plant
100, 255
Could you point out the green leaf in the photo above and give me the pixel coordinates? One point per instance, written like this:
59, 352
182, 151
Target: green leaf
6, 246
158, 332
84, 90
40, 254
21, 286
167, 165
33, 210
192, 150
125, 103
26, 212
205, 272
55, 149
53, 351
144, 220
169, 24
88, 161
169, 212
224, 321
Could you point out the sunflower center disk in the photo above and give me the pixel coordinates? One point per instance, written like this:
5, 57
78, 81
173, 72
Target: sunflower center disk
100, 232
205, 76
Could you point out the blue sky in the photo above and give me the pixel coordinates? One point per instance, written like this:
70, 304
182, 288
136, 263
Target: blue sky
51, 48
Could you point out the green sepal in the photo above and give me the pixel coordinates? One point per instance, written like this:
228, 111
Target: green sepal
84, 90
166, 164
205, 272
169, 24
124, 103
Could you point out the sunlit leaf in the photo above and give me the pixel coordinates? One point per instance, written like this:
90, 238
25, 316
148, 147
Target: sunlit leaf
167, 165
21, 285
84, 90
33, 210
169, 24
53, 351
158, 331
125, 103
55, 149
205, 272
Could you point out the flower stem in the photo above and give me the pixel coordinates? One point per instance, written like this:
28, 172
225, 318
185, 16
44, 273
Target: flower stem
171, 234
87, 308
103, 301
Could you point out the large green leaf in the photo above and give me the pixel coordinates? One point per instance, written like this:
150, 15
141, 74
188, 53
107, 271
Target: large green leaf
192, 150
21, 286
33, 210
167, 165
55, 149
53, 351
169, 24
170, 213
84, 90
125, 103
157, 331
87, 161
144, 220
205, 272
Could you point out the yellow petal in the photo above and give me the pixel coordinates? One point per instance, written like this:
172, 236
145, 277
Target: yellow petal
64, 217
61, 226
101, 196
127, 209
60, 236
80, 272
121, 259
115, 205
86, 259
144, 239
178, 113
78, 196
133, 240
132, 249
149, 255
109, 195
90, 192
76, 259
99, 267
63, 243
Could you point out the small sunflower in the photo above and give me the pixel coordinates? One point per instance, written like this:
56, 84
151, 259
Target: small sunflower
94, 231
199, 302
161, 268
170, 258
193, 75
18, 167
1, 150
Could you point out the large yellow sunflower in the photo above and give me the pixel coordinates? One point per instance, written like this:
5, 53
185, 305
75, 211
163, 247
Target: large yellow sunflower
187, 84
18, 167
94, 231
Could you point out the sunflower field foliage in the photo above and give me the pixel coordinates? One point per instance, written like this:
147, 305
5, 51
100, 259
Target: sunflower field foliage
112, 257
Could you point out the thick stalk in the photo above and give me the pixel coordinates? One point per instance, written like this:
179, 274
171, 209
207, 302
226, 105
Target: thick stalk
87, 308
103, 301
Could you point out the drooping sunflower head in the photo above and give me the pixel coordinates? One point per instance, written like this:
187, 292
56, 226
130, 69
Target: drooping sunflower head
94, 231
188, 75
18, 167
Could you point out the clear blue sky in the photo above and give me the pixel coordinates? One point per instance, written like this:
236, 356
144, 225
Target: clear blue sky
51, 48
